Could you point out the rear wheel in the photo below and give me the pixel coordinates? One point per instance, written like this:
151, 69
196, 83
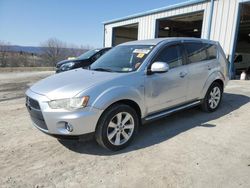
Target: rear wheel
117, 127
213, 98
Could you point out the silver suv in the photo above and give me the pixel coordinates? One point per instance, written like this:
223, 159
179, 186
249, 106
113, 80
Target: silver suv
134, 83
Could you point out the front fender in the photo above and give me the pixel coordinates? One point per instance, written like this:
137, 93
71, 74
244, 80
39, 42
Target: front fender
117, 93
212, 77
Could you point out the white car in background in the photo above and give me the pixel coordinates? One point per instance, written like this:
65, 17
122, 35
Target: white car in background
242, 62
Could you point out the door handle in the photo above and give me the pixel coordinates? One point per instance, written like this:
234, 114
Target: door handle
183, 74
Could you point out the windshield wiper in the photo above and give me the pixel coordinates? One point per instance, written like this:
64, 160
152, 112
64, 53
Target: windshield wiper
102, 69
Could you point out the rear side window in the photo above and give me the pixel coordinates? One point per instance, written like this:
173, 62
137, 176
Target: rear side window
171, 55
198, 52
211, 51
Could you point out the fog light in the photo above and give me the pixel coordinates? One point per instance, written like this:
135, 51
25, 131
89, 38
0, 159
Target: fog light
68, 127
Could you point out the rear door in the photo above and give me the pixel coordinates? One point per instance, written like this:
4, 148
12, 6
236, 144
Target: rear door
201, 59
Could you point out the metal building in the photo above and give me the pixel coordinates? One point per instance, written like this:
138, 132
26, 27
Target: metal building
226, 21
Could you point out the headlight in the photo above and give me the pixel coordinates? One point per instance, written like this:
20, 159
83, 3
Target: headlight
69, 104
67, 65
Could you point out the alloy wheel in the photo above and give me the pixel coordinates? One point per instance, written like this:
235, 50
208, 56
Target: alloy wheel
215, 96
120, 128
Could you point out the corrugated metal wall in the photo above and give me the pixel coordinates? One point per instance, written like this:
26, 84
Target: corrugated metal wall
147, 24
224, 21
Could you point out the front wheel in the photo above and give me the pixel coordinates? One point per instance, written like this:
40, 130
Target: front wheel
213, 98
117, 127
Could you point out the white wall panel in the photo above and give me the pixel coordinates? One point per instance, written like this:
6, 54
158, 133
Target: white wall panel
224, 21
147, 23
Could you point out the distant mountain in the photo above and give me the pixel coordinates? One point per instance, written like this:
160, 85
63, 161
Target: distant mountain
32, 49
27, 49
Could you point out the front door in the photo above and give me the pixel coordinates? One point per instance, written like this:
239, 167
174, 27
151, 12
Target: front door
165, 90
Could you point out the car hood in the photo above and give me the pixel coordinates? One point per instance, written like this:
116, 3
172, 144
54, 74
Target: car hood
70, 83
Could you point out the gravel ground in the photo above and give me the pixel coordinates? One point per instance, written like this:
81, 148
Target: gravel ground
188, 149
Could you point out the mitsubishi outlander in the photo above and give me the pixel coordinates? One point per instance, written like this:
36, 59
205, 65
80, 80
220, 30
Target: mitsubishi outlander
133, 83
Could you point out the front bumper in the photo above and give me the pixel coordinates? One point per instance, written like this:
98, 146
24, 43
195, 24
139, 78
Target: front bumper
53, 121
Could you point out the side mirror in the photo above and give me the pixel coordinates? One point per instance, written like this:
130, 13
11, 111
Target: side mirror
238, 59
159, 67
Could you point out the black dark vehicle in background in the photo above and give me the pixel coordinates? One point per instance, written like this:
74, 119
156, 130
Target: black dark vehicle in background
83, 60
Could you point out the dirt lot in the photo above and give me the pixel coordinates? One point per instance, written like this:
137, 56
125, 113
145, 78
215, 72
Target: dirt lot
188, 149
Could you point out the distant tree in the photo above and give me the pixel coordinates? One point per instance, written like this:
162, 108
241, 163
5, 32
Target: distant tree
4, 49
54, 50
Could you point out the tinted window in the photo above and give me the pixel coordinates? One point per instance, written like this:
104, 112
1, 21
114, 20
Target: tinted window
171, 55
88, 54
198, 52
211, 52
96, 56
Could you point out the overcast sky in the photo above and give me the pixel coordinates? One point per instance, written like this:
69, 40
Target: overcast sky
29, 22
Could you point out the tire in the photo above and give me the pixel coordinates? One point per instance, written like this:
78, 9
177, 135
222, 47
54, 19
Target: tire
213, 97
117, 127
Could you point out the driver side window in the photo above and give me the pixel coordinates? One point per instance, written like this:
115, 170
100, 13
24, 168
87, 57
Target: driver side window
171, 55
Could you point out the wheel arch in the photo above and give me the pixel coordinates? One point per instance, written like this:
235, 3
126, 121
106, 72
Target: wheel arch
124, 95
219, 81
130, 103
214, 77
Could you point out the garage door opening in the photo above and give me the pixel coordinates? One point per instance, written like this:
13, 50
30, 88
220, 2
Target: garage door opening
189, 25
242, 50
125, 34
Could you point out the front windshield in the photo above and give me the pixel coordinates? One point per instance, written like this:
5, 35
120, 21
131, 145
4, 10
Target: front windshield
88, 54
125, 58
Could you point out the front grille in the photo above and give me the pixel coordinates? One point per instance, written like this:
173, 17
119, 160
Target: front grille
32, 103
35, 113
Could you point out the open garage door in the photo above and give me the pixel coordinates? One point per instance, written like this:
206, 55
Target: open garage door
242, 50
125, 34
189, 25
